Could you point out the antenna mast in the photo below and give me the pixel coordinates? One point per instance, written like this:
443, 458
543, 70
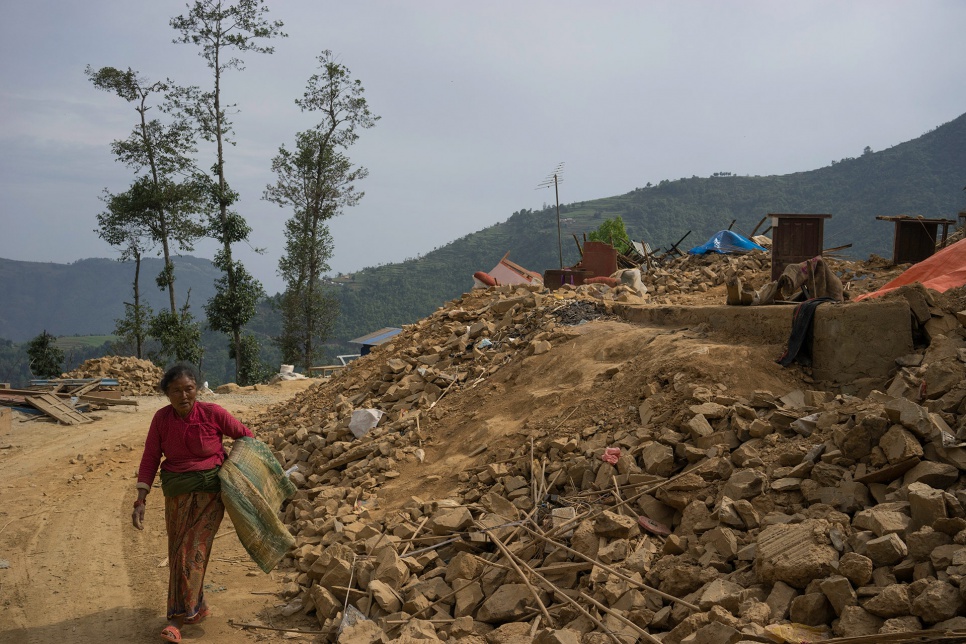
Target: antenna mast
554, 178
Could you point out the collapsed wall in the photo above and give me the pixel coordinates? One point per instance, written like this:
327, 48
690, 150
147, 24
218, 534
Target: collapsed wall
547, 475
135, 377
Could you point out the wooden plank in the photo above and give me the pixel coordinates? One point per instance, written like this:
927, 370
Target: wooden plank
102, 397
52, 406
83, 389
107, 400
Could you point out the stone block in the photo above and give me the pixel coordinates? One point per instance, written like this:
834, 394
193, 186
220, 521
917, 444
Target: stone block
812, 609
468, 597
856, 568
924, 541
385, 596
795, 553
926, 504
938, 602
838, 590
942, 556
855, 621
448, 520
415, 630
892, 601
326, 605
557, 636
906, 624
714, 633
364, 631
721, 592
658, 459
886, 550
723, 540
883, 519
508, 603
898, 444
937, 475
463, 565
744, 484
616, 526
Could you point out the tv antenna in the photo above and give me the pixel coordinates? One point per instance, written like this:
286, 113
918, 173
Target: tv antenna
554, 179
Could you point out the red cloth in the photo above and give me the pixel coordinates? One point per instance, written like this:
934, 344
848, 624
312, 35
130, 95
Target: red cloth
188, 444
611, 455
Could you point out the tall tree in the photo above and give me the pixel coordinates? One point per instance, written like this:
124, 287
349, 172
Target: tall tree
162, 202
317, 181
219, 28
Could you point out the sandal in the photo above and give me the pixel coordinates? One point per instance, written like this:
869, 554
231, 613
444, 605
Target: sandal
171, 634
198, 617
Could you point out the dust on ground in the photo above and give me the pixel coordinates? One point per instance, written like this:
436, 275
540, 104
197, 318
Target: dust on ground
76, 569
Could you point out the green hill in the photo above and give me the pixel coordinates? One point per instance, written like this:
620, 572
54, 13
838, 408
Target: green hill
920, 177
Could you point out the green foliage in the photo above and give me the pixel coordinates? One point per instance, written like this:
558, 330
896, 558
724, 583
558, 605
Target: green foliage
253, 369
233, 305
46, 358
317, 181
612, 232
159, 207
178, 336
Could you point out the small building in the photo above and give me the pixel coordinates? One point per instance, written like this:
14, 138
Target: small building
915, 237
374, 339
795, 239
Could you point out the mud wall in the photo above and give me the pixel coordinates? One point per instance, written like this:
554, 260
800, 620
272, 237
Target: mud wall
852, 341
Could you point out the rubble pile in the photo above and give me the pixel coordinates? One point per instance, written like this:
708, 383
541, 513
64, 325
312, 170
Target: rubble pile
677, 280
135, 377
684, 514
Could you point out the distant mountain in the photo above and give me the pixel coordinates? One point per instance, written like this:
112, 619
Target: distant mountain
84, 298
924, 177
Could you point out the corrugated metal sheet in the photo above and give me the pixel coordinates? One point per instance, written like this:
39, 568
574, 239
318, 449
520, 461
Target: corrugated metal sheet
377, 337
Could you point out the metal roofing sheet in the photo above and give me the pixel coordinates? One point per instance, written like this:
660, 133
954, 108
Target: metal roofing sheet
377, 337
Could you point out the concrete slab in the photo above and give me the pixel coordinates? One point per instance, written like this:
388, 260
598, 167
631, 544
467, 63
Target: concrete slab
852, 340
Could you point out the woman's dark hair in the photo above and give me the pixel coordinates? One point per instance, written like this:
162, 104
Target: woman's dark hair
177, 371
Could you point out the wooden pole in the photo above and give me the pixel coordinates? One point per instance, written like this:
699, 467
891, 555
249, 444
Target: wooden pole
611, 570
533, 591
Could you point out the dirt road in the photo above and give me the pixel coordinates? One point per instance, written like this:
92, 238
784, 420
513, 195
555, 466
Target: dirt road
73, 569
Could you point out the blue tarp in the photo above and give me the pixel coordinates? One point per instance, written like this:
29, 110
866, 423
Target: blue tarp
725, 241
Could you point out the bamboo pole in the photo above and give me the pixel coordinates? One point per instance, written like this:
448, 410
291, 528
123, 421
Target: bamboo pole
533, 591
623, 620
612, 570
557, 591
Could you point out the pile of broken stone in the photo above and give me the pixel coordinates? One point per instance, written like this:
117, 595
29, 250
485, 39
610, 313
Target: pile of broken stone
135, 377
706, 518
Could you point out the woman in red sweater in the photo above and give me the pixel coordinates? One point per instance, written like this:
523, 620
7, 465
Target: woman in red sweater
187, 435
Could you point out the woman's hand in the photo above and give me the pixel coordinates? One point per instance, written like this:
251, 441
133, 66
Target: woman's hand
137, 517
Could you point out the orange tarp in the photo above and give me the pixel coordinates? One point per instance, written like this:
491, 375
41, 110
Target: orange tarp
941, 272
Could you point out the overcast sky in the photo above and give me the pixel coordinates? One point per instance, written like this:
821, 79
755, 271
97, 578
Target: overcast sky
479, 101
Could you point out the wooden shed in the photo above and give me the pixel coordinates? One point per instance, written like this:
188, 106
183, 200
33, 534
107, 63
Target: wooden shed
915, 237
795, 238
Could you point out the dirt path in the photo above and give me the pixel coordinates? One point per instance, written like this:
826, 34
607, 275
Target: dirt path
73, 569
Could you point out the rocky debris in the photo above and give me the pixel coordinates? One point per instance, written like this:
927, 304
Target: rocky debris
716, 517
135, 377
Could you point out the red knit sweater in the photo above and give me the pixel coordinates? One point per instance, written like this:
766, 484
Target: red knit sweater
187, 444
